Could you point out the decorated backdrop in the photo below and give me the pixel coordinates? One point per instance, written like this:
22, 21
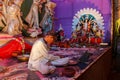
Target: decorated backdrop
66, 10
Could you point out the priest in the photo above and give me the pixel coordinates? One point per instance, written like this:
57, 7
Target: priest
39, 57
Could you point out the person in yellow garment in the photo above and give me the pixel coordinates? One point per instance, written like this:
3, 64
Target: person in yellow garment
39, 56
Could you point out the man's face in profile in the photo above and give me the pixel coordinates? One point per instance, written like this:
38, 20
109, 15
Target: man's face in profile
50, 39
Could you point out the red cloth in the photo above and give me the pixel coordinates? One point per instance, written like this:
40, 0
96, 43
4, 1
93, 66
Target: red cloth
27, 47
11, 46
95, 40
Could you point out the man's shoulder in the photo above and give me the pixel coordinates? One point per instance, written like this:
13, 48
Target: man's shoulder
40, 40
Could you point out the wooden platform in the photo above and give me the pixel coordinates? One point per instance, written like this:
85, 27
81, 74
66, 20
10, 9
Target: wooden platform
100, 68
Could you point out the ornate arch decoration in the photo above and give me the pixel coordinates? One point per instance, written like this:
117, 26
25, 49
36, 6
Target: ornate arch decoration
89, 22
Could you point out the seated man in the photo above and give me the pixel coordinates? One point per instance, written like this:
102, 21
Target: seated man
39, 56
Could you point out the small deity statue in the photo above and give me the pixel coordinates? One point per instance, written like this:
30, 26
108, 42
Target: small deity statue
61, 33
13, 17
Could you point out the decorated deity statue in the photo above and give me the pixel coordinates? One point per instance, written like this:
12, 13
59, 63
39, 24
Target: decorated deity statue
2, 20
13, 17
41, 5
2, 17
47, 21
32, 17
95, 27
85, 24
74, 35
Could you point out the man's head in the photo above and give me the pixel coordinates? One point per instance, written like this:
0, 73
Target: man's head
49, 38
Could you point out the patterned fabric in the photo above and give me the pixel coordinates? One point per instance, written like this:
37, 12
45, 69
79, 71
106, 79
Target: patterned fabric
15, 72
